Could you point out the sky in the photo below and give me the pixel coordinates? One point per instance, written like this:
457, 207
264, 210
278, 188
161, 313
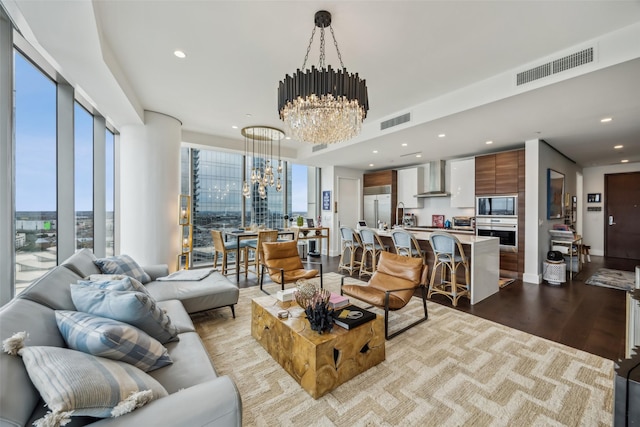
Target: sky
36, 145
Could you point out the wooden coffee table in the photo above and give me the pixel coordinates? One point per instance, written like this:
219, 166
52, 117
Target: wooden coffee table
318, 362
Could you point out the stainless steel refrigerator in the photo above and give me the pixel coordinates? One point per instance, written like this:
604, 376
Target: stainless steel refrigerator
377, 205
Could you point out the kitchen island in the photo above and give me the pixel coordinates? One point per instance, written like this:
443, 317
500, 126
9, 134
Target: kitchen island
483, 254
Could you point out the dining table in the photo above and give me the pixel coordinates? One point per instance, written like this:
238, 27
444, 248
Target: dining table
240, 235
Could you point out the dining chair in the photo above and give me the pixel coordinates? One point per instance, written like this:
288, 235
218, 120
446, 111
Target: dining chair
406, 244
255, 246
220, 247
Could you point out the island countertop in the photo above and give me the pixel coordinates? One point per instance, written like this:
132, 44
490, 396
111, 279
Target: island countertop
484, 259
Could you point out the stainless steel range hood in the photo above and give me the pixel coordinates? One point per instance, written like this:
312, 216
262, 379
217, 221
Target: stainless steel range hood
435, 176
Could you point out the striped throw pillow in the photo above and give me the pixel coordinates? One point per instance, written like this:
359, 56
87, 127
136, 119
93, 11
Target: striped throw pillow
73, 383
111, 339
123, 264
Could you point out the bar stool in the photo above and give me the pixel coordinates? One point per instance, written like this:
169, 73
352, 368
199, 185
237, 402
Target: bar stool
350, 241
449, 254
371, 247
406, 244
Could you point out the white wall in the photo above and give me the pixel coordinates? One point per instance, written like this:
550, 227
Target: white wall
438, 205
594, 222
149, 190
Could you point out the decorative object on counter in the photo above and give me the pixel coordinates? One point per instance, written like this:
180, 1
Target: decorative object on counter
437, 221
447, 224
300, 221
323, 105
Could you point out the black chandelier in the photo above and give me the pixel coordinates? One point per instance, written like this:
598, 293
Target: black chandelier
323, 105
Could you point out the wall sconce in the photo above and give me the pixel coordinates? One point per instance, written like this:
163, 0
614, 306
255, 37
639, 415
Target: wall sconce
184, 217
186, 231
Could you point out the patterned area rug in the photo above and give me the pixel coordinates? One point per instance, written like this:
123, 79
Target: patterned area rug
615, 279
454, 369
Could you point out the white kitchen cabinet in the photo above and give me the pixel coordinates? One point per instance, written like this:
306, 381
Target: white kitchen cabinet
410, 183
463, 183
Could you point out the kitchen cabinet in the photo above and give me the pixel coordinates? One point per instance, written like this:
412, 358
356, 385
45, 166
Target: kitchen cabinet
497, 173
486, 175
463, 188
410, 183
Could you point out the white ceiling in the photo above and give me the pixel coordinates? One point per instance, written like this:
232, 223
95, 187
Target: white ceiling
451, 64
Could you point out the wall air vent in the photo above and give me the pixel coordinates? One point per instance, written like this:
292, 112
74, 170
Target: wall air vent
318, 147
395, 121
577, 59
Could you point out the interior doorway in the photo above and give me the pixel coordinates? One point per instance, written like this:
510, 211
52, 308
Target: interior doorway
622, 215
349, 199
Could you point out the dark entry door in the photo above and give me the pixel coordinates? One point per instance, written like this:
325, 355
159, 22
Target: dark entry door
622, 215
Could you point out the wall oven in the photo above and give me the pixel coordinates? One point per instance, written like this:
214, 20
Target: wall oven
505, 228
497, 205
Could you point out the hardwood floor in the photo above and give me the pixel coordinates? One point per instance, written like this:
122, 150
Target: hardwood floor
589, 318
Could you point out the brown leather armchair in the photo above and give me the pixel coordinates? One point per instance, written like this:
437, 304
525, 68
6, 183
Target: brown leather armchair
282, 262
392, 286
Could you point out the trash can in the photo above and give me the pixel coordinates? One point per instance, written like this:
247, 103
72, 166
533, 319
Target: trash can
554, 272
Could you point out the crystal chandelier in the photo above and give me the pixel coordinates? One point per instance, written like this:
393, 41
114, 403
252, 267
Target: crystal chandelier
322, 105
261, 176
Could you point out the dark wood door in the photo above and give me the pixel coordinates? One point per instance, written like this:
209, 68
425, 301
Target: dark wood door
622, 215
486, 174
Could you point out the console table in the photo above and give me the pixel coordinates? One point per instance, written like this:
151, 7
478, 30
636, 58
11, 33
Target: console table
571, 247
312, 233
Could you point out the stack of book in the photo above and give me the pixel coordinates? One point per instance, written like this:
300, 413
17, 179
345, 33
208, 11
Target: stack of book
337, 301
352, 316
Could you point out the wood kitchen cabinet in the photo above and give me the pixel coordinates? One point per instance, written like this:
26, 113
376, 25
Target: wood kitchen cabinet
497, 173
486, 174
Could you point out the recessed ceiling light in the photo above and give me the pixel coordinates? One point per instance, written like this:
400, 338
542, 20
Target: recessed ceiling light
180, 54
248, 114
404, 144
617, 147
606, 120
287, 137
489, 142
418, 155
375, 151
234, 127
370, 164
624, 161
441, 135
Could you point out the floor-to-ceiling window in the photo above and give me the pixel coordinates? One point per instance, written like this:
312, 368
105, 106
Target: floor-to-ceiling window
216, 184
109, 160
35, 172
214, 179
83, 176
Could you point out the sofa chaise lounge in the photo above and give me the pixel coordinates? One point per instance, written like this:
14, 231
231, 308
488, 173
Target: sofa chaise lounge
196, 394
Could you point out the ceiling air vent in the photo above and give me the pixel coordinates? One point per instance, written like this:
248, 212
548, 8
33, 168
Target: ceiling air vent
318, 147
577, 59
395, 121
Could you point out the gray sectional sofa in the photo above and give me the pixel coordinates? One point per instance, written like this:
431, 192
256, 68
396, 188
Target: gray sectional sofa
197, 396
